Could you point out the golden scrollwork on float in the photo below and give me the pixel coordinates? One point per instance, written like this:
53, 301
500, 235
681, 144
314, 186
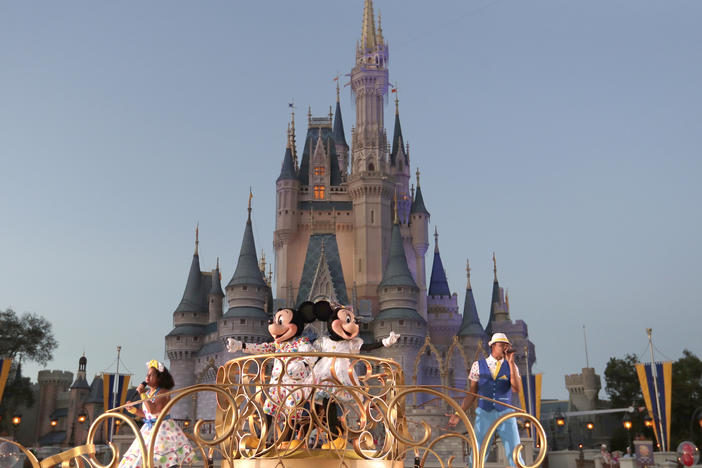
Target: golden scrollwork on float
376, 425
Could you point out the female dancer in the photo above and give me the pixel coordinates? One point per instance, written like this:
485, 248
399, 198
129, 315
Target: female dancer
172, 446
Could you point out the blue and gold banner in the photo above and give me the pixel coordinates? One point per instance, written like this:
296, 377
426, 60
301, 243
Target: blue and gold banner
658, 405
4, 373
530, 398
108, 395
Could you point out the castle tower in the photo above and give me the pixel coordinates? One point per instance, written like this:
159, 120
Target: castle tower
419, 227
498, 310
400, 167
187, 337
397, 295
442, 306
287, 215
215, 296
52, 385
79, 392
247, 295
342, 148
370, 189
471, 333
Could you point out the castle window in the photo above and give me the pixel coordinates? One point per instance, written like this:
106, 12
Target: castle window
177, 338
371, 167
244, 288
319, 170
360, 265
402, 322
372, 217
243, 322
319, 192
194, 338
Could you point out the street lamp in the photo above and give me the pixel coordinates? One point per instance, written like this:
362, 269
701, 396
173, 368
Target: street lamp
696, 416
648, 422
626, 422
53, 422
82, 417
589, 425
16, 420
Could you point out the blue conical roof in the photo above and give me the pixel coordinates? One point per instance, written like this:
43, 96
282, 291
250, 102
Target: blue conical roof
397, 272
287, 171
418, 203
438, 285
216, 289
470, 325
397, 141
495, 300
339, 136
192, 296
247, 270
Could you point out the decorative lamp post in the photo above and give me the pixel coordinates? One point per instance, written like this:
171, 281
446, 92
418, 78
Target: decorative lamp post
53, 422
16, 420
82, 417
648, 422
696, 417
626, 422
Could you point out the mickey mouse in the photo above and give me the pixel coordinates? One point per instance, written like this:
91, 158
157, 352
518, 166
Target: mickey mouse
286, 329
343, 329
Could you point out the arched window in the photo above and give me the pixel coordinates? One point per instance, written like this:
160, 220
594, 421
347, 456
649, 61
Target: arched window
371, 167
319, 192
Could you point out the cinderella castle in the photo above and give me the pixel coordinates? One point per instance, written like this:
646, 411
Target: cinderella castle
350, 226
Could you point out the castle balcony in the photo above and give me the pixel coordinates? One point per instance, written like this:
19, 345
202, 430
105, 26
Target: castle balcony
365, 416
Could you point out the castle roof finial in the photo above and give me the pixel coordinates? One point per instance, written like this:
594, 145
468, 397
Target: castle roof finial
379, 35
396, 220
287, 143
263, 261
292, 134
397, 100
494, 266
309, 115
197, 237
507, 299
368, 40
249, 208
217, 267
436, 240
417, 178
331, 114
412, 191
468, 273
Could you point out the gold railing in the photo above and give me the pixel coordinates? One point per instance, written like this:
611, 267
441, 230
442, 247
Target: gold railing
262, 423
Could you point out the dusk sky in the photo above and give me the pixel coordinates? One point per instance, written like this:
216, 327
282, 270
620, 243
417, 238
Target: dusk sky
563, 136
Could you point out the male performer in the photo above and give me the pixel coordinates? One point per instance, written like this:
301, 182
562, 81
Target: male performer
494, 377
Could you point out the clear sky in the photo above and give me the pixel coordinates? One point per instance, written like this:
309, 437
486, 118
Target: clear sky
563, 136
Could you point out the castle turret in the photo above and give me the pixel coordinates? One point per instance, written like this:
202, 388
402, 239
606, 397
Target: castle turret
190, 327
79, 392
215, 296
400, 167
471, 332
342, 148
287, 215
397, 294
498, 308
442, 306
247, 295
419, 227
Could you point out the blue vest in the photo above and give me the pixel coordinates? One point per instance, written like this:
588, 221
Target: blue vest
499, 389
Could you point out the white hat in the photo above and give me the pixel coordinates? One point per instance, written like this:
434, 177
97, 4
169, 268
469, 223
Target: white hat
498, 338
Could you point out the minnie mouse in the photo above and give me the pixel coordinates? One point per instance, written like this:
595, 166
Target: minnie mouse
343, 329
286, 329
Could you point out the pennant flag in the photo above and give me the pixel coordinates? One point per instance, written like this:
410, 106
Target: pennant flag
530, 398
108, 395
336, 78
393, 90
4, 373
652, 378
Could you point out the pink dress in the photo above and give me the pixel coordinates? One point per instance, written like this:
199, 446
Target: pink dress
172, 446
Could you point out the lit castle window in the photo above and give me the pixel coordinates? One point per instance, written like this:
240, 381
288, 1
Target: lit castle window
319, 192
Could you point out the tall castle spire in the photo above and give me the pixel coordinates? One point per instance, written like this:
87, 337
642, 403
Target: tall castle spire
368, 40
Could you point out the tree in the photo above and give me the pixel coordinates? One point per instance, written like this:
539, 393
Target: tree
624, 389
622, 383
28, 337
686, 397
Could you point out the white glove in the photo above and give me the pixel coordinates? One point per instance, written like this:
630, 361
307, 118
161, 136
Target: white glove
233, 345
391, 339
